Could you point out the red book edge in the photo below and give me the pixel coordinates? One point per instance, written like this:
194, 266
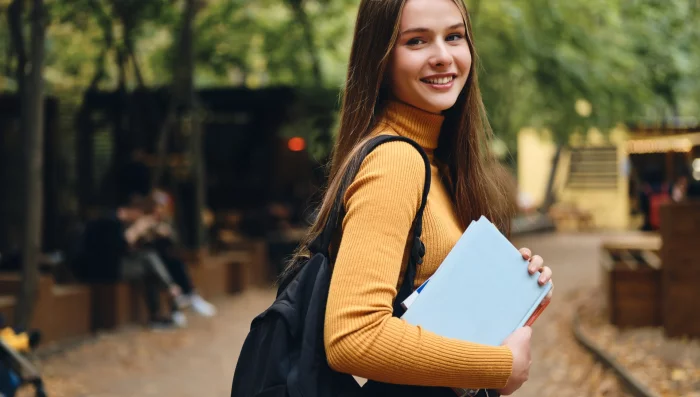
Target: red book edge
537, 313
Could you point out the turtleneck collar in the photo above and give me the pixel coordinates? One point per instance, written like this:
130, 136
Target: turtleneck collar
417, 124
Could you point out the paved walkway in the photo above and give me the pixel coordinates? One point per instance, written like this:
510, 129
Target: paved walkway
199, 361
561, 368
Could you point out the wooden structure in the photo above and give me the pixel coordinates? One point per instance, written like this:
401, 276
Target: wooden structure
242, 131
11, 174
648, 283
680, 229
62, 312
632, 280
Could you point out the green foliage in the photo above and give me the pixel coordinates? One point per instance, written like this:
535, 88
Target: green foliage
630, 59
262, 43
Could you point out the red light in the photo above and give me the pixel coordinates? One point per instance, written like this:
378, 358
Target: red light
296, 144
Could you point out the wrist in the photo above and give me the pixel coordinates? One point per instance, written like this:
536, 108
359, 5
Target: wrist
509, 352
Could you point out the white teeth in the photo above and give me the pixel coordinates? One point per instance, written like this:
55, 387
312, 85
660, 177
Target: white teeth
439, 81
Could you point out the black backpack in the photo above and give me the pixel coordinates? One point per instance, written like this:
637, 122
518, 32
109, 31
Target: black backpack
283, 354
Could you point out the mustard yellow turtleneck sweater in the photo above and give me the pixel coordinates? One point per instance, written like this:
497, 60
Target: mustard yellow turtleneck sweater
361, 336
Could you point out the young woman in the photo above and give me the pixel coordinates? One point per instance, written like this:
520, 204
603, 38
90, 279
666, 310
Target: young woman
412, 72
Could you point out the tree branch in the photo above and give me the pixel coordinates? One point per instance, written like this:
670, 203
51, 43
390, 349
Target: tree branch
128, 43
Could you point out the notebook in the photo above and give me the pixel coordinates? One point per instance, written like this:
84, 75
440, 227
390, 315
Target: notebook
482, 291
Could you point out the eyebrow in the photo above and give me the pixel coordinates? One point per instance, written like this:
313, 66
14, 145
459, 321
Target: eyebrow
423, 30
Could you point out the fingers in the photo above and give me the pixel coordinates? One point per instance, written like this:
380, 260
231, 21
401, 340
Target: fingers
536, 264
548, 298
526, 253
545, 276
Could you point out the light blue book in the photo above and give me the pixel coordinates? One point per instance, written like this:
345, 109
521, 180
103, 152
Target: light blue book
482, 291
471, 231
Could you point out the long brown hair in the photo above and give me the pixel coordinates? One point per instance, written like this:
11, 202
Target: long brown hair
464, 139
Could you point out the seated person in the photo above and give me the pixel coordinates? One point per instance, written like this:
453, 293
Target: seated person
112, 249
161, 237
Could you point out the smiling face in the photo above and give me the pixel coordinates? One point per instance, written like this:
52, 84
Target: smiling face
431, 61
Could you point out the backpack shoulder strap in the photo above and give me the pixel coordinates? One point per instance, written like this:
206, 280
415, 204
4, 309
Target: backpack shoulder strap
322, 242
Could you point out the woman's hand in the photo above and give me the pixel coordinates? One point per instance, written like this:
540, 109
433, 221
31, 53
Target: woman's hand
519, 344
519, 341
537, 265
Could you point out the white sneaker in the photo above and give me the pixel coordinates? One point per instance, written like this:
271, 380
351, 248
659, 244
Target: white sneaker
202, 307
183, 301
179, 319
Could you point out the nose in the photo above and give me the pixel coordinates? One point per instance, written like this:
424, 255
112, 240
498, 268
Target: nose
442, 56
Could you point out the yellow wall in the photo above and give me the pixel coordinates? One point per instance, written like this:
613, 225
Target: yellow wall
536, 150
535, 154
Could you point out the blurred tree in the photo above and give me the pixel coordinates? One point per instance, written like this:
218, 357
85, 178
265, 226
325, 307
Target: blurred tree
190, 113
627, 59
86, 35
30, 83
271, 42
543, 57
666, 42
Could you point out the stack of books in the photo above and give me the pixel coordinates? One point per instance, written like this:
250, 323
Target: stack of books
481, 293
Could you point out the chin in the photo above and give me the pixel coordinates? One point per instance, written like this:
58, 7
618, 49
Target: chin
439, 106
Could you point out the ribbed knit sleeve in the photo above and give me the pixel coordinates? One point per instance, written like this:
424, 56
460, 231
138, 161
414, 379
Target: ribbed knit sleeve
361, 336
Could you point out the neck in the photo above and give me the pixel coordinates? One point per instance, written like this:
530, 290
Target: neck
414, 123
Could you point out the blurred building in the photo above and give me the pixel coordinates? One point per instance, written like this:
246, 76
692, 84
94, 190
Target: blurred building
606, 175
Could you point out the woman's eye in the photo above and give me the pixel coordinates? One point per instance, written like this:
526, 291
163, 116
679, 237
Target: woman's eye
455, 37
415, 41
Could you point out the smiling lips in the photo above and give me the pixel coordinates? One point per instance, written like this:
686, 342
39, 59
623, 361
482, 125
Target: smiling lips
441, 82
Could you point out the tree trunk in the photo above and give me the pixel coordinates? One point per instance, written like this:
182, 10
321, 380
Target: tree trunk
549, 193
303, 19
198, 167
190, 121
162, 146
12, 227
34, 135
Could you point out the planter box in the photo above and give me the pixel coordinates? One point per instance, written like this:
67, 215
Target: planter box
632, 279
